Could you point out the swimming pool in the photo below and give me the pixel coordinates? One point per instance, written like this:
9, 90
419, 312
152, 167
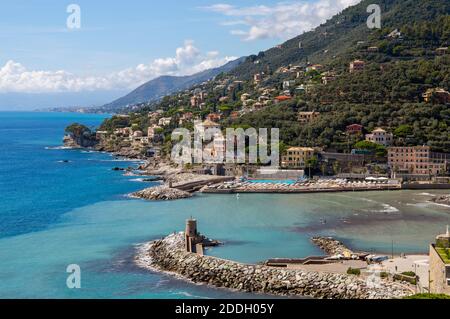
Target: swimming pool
273, 181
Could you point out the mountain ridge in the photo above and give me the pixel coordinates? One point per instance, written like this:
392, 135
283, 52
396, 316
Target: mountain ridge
161, 86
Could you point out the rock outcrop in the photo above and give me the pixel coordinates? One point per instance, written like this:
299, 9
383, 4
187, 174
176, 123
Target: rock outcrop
161, 193
169, 255
79, 136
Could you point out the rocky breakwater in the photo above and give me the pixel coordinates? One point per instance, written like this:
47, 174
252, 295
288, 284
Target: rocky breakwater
164, 193
443, 200
168, 255
332, 246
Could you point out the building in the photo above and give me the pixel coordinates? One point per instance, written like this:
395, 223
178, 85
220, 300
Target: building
195, 101
101, 134
198, 98
153, 131
307, 117
417, 160
440, 265
442, 51
214, 117
234, 115
124, 131
297, 157
328, 77
164, 121
354, 129
380, 136
257, 78
185, 118
193, 240
245, 97
201, 127
372, 49
315, 67
437, 95
357, 66
282, 98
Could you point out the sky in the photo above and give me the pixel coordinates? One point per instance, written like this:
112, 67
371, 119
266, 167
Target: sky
51, 56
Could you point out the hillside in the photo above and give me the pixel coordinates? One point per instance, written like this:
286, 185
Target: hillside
387, 92
165, 85
340, 34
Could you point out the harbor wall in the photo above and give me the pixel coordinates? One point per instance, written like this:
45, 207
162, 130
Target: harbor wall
168, 255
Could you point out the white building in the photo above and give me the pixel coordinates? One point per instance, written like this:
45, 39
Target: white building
380, 136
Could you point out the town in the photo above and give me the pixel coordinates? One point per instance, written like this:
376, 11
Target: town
354, 150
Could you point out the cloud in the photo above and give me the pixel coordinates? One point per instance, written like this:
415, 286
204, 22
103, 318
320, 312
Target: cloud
282, 20
15, 77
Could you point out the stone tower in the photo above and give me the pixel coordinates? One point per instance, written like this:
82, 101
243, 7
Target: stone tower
191, 235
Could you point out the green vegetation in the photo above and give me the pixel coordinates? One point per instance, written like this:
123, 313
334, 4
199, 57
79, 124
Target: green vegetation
384, 275
409, 273
445, 254
353, 271
388, 93
78, 130
377, 149
428, 296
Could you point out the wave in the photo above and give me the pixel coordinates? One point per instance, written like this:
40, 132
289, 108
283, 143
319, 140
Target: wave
388, 209
139, 180
58, 148
425, 194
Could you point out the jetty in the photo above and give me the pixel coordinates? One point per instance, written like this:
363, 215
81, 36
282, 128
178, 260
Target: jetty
179, 254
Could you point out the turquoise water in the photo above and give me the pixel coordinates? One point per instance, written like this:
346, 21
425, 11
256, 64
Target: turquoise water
272, 181
54, 214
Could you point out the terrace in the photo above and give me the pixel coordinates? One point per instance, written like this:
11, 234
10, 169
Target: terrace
445, 254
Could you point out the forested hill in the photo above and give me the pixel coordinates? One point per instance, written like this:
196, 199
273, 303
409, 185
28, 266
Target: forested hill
341, 33
404, 59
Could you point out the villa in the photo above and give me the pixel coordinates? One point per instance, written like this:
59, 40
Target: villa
380, 136
439, 95
354, 129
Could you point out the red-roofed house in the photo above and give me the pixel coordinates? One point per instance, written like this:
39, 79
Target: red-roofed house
282, 98
354, 129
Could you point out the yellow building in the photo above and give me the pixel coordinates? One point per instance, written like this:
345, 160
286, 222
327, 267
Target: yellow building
297, 157
307, 117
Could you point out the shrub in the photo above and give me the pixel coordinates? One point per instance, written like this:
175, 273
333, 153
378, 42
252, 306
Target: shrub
409, 273
353, 271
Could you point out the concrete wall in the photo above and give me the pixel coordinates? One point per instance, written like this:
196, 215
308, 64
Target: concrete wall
438, 280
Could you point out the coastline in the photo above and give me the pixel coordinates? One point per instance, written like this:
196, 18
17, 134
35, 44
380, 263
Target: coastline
167, 256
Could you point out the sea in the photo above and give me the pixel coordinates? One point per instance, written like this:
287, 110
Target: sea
62, 207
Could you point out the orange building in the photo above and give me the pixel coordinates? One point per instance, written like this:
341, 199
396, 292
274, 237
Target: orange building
417, 160
357, 65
